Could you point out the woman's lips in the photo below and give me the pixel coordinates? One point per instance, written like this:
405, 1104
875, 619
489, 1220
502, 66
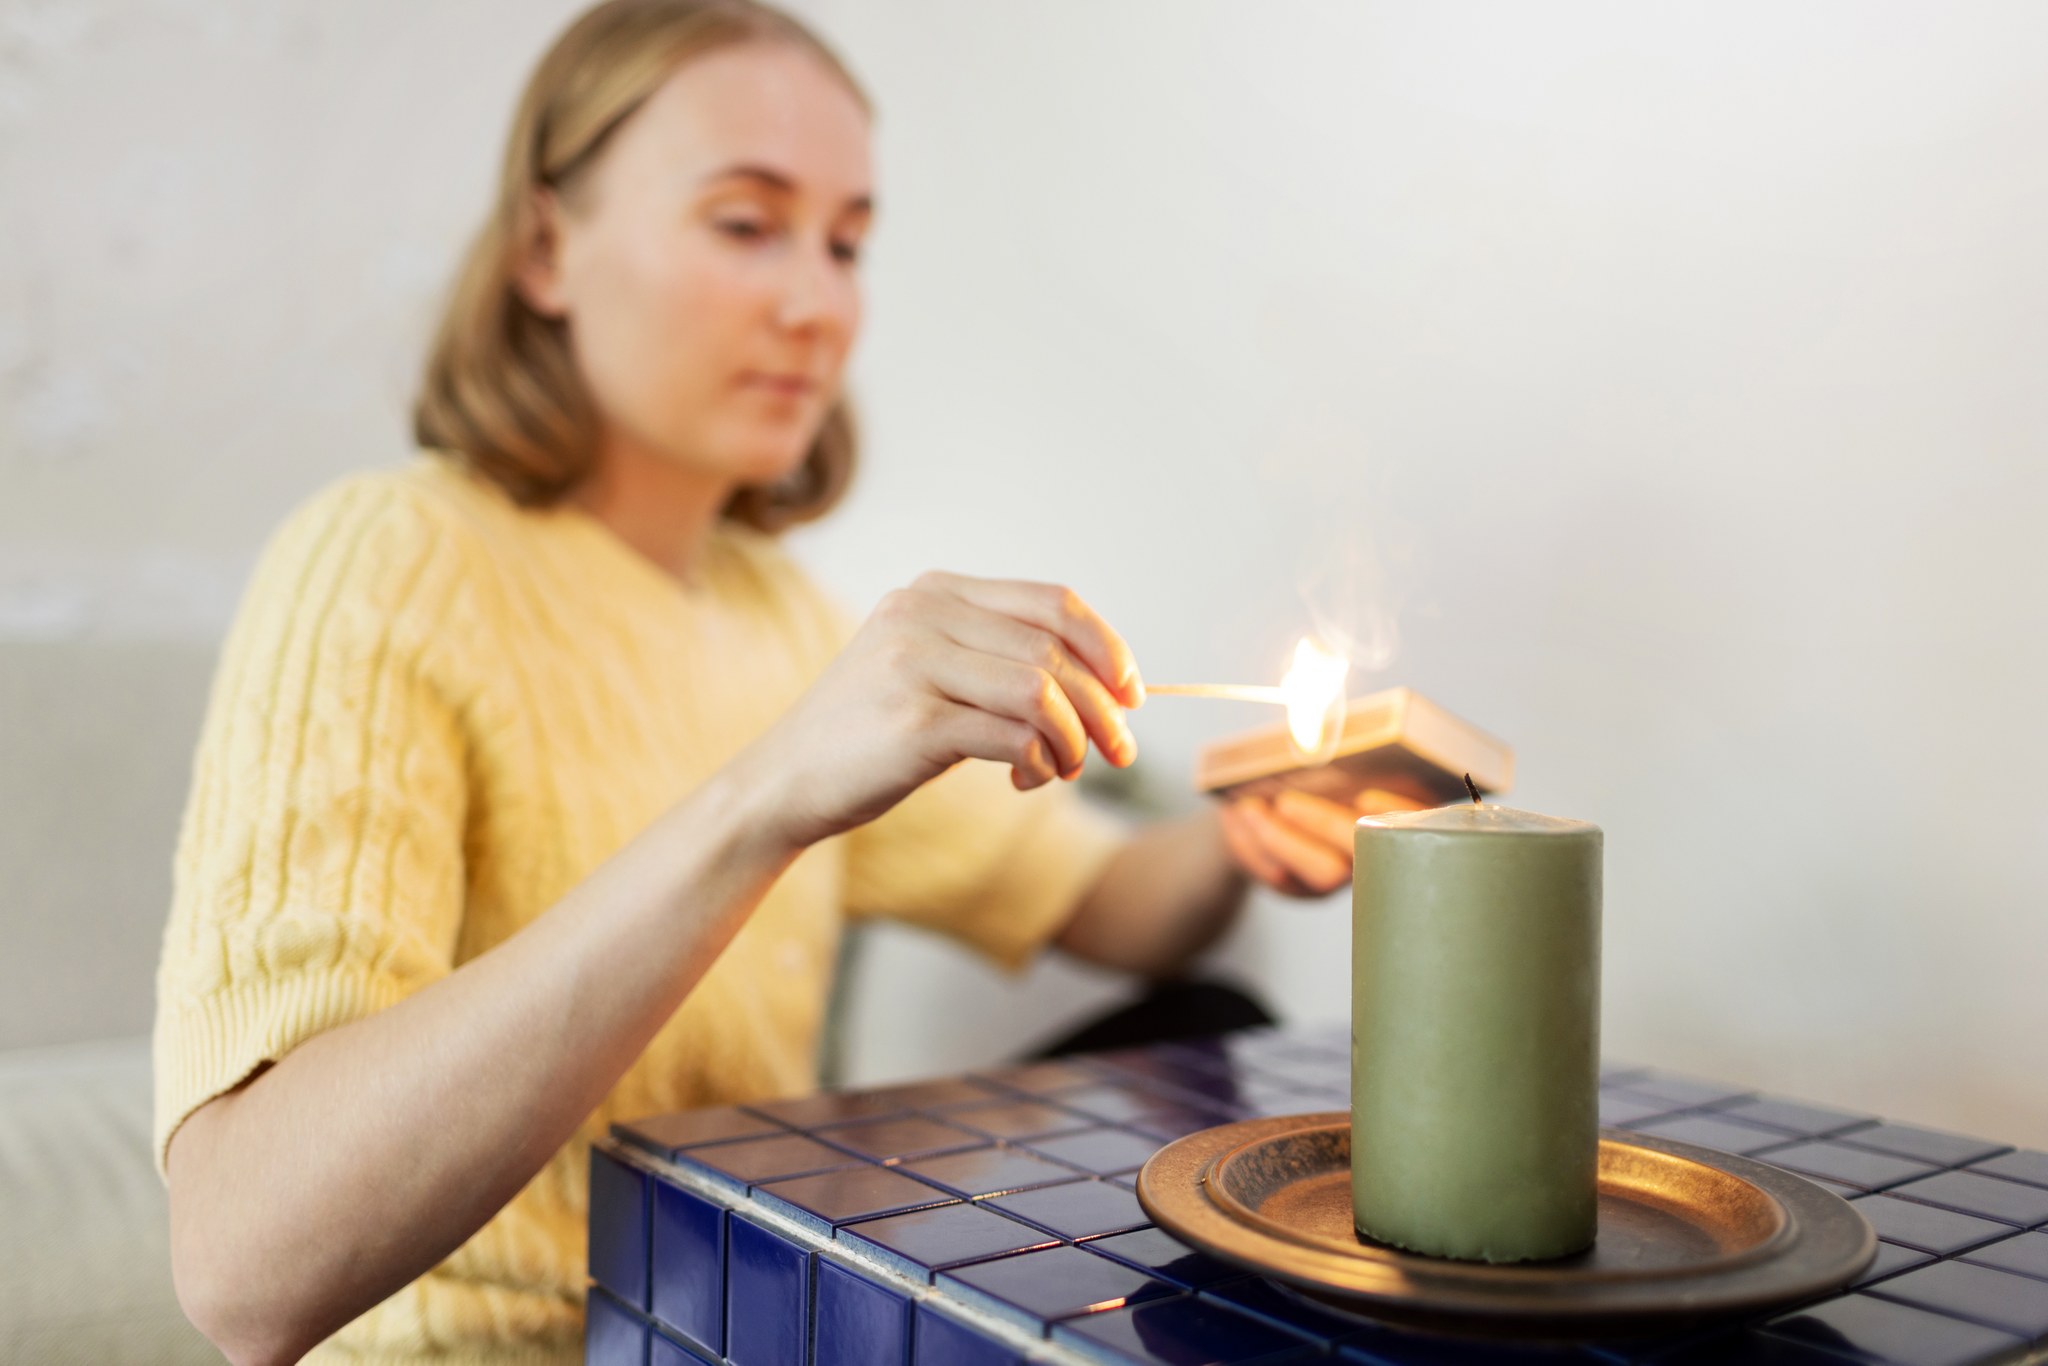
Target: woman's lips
789, 386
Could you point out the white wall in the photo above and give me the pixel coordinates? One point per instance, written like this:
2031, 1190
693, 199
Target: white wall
1669, 376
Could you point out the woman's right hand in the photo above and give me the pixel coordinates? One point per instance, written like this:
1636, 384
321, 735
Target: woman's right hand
950, 668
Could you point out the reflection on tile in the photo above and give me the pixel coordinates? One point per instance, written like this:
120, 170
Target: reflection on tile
920, 1243
858, 1321
1076, 1210
1983, 1294
988, 1171
1707, 1131
1041, 1078
2026, 1253
1059, 1282
1804, 1121
1018, 1119
828, 1198
2030, 1167
1179, 1330
664, 1134
742, 1163
1686, 1090
1857, 1167
612, 1334
618, 1228
892, 1140
767, 1296
687, 1276
1747, 1347
825, 1107
943, 1341
1165, 1256
1265, 1299
1098, 1150
1939, 1231
1891, 1331
1985, 1196
1924, 1145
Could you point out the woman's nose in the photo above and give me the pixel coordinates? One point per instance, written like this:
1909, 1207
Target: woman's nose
810, 291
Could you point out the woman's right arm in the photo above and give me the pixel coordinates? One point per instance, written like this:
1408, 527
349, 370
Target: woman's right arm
367, 1154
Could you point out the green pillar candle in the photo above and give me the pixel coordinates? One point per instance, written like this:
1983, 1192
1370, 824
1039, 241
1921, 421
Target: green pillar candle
1475, 1006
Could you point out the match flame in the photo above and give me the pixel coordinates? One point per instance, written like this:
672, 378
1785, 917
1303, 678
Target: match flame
1314, 689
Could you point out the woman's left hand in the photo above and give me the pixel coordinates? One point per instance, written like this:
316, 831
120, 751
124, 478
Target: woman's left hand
1297, 843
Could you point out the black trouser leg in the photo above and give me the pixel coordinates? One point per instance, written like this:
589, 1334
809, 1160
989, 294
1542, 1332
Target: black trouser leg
1167, 1010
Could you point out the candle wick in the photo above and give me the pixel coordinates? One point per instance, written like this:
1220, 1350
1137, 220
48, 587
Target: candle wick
1472, 788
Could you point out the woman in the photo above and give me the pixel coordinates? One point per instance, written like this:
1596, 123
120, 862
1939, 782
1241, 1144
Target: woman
536, 782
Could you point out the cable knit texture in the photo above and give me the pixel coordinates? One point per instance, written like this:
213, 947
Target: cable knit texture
436, 713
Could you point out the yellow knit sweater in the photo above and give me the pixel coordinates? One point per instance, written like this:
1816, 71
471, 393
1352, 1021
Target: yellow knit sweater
436, 712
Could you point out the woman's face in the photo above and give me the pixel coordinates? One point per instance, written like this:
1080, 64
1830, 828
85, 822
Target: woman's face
706, 264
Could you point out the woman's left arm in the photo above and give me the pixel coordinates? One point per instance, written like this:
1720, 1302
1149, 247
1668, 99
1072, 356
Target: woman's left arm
1177, 886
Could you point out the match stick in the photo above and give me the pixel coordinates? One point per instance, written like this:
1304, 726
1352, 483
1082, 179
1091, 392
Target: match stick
1235, 692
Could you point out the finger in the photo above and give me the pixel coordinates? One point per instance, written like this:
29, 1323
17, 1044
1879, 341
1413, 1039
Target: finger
972, 733
1243, 844
1003, 687
977, 628
1377, 801
1307, 859
1060, 611
1319, 817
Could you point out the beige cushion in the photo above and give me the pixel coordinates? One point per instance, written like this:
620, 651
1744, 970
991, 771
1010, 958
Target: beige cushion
85, 1271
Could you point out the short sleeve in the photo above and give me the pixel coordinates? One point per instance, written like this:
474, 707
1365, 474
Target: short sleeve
319, 869
969, 856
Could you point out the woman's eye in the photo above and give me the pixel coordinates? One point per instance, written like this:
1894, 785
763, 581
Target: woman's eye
744, 230
848, 252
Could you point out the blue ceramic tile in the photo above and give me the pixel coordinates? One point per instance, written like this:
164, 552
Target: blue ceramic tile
1111, 1102
1098, 1150
1178, 1332
925, 1241
1835, 1187
826, 1107
1803, 1121
1034, 1287
664, 1134
1042, 1078
1686, 1090
735, 1166
1618, 1109
1076, 1210
1858, 1167
2030, 1167
941, 1341
1983, 1294
829, 1198
858, 1321
618, 1228
1708, 1131
1017, 1119
988, 1171
1891, 1259
1985, 1196
1939, 1231
1748, 1347
1167, 1125
892, 1140
1156, 1251
613, 1335
687, 1278
1386, 1347
1923, 1145
663, 1350
2026, 1253
1265, 1299
767, 1296
1893, 1332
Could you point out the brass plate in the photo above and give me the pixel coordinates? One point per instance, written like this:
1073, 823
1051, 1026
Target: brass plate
1685, 1233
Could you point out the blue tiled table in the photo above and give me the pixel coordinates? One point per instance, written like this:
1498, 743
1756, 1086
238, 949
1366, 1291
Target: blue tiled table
989, 1219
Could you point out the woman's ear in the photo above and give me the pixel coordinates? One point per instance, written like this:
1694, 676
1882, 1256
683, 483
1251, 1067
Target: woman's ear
537, 256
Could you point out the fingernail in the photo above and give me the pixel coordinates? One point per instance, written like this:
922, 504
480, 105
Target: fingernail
1132, 686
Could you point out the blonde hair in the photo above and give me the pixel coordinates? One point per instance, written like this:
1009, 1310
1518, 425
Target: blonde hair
501, 392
